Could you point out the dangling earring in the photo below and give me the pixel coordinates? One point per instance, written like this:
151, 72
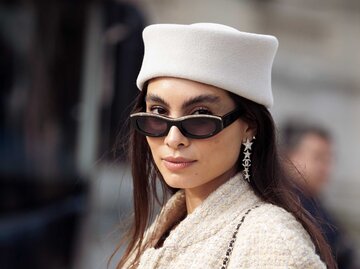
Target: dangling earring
247, 161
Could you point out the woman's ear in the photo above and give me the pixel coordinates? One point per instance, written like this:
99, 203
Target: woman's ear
250, 130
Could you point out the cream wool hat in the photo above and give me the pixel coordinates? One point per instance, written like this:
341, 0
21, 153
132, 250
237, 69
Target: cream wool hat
213, 54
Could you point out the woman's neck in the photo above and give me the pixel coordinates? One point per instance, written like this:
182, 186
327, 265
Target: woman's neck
195, 196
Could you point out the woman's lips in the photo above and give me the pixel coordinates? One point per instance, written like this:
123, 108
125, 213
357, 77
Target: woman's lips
178, 163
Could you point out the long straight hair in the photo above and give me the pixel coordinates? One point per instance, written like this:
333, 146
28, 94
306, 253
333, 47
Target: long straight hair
268, 180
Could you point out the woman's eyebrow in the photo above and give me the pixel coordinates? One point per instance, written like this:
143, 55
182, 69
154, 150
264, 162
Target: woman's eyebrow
192, 101
201, 99
156, 99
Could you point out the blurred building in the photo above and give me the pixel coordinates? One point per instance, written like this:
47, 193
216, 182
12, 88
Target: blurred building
42, 194
67, 72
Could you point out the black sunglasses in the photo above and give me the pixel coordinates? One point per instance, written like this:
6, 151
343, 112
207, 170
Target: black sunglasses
192, 126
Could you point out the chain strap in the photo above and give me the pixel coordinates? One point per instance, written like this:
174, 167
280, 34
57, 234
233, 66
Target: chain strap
232, 241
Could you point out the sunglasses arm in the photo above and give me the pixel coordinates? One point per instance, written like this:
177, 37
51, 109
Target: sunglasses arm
231, 117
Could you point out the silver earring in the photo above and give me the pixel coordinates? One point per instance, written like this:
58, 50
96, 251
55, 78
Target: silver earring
247, 160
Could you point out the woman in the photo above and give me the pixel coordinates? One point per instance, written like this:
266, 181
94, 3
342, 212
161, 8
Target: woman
202, 129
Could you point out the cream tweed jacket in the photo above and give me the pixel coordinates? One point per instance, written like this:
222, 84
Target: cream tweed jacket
269, 237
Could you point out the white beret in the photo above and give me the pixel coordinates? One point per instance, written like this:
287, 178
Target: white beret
213, 54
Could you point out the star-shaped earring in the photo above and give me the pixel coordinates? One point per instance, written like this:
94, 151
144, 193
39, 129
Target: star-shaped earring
247, 161
247, 154
247, 144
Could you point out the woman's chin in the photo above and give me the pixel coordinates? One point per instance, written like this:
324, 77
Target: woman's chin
179, 181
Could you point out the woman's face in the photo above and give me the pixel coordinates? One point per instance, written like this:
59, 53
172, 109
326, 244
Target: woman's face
188, 163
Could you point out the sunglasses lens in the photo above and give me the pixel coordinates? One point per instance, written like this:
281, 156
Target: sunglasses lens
200, 126
151, 125
193, 127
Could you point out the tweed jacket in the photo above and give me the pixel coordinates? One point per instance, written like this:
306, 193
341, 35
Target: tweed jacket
269, 236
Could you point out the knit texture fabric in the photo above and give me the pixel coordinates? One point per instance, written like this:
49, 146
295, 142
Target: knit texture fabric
269, 237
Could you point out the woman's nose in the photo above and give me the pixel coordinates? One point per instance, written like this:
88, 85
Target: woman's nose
175, 139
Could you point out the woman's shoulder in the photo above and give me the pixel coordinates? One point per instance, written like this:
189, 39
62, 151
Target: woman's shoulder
273, 236
270, 221
272, 216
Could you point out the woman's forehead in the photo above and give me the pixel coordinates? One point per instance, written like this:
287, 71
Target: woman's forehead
184, 91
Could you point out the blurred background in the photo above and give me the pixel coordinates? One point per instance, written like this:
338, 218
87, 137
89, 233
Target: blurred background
67, 81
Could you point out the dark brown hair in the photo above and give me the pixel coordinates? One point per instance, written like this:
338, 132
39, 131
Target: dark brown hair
268, 180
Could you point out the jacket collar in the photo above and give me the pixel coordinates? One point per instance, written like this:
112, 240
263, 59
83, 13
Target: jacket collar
225, 204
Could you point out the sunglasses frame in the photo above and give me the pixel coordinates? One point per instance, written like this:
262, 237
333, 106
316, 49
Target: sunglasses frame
221, 122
